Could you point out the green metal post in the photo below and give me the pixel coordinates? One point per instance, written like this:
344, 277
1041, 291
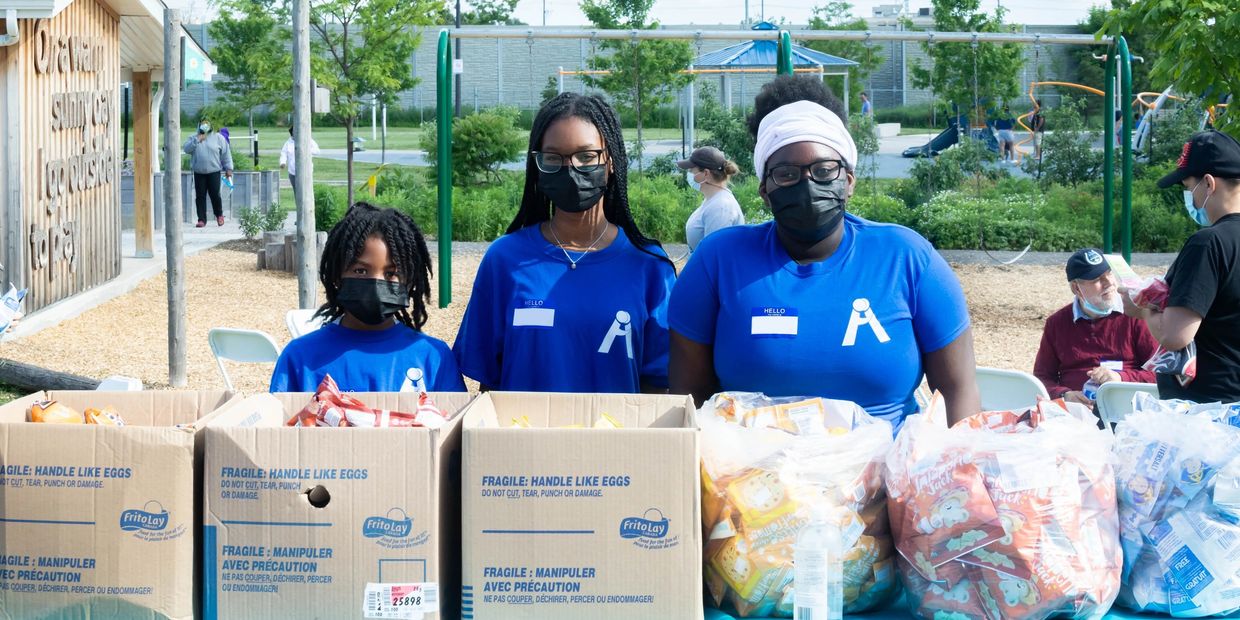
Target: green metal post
1108, 149
1125, 102
783, 62
443, 159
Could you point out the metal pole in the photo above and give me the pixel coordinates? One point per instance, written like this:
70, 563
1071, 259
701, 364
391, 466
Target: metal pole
783, 62
499, 72
444, 164
690, 121
1108, 150
773, 35
254, 146
1125, 101
173, 49
374, 120
125, 117
303, 191
458, 57
559, 85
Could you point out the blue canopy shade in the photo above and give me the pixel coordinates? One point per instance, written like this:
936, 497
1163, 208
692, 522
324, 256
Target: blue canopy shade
763, 53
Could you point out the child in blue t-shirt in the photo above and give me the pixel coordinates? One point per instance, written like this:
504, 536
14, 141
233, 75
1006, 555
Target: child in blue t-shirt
375, 264
574, 297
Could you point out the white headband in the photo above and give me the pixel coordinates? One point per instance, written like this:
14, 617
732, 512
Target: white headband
802, 121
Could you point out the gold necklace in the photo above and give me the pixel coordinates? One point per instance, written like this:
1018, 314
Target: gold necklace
572, 264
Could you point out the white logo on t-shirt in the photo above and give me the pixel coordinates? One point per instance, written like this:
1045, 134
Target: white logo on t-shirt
863, 314
619, 327
415, 381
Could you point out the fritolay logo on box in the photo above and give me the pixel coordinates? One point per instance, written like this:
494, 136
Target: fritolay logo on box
152, 518
388, 527
394, 531
644, 526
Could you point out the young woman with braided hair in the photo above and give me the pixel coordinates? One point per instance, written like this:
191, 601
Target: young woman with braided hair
375, 266
574, 297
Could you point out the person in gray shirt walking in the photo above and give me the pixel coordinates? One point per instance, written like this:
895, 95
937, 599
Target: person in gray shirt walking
209, 156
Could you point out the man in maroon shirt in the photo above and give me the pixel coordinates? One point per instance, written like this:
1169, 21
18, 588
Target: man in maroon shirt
1091, 338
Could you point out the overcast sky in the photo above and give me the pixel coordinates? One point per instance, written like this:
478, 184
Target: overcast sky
684, 12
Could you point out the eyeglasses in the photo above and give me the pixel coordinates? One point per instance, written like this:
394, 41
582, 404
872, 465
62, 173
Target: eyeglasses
821, 171
581, 161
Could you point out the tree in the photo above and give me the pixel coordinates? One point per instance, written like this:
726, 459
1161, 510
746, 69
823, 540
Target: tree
491, 13
1195, 41
481, 143
727, 129
368, 44
1090, 71
251, 54
952, 75
837, 15
641, 74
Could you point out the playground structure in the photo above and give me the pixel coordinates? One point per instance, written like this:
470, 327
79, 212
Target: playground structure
1118, 61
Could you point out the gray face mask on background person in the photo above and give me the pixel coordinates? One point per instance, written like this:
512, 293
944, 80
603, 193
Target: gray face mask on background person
204, 128
573, 191
809, 211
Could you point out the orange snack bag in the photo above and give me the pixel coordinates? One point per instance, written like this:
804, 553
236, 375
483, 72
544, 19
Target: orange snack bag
104, 417
52, 412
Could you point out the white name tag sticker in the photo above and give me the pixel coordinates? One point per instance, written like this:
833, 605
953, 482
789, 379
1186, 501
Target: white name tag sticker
774, 322
1116, 365
533, 317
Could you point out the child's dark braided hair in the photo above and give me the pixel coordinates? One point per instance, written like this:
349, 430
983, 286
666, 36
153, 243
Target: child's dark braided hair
406, 250
536, 206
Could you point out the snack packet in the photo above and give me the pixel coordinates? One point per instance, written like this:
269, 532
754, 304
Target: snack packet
52, 412
1153, 293
1008, 514
330, 407
766, 463
1178, 481
104, 417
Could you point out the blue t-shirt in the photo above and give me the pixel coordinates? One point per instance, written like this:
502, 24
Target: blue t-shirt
852, 327
534, 324
388, 360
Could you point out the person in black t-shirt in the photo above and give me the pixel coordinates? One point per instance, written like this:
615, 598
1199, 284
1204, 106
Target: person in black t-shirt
1204, 305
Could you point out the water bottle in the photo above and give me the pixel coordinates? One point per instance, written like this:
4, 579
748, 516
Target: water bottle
818, 570
1090, 390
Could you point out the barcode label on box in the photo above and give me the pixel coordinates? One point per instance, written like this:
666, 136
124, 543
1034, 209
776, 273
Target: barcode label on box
403, 601
804, 613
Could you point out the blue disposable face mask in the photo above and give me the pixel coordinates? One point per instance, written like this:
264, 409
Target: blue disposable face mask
1198, 214
690, 178
1097, 310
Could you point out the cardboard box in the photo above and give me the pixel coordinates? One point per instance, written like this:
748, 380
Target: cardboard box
581, 522
99, 521
384, 510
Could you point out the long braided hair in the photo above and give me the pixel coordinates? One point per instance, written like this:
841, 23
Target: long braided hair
406, 249
536, 206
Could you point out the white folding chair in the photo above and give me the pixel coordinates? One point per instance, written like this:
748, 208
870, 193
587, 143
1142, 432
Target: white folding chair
301, 322
119, 383
1008, 390
1114, 399
241, 345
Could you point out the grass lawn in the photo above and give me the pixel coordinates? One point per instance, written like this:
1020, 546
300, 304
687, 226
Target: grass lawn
9, 393
271, 139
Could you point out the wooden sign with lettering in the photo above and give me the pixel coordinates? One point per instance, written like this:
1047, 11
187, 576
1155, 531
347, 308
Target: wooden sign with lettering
70, 81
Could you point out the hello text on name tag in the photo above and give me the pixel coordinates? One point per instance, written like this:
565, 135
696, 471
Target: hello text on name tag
773, 322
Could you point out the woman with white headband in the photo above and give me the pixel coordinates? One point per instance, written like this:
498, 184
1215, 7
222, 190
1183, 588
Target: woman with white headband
819, 302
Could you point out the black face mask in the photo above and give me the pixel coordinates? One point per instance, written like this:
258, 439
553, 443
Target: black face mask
372, 301
809, 211
573, 191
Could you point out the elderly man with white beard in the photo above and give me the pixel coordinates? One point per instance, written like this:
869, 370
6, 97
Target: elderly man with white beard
1090, 341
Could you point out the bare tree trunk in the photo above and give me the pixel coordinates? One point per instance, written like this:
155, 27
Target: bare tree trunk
348, 138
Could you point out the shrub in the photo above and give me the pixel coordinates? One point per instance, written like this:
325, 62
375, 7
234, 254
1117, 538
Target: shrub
481, 142
958, 220
251, 222
917, 115
665, 165
329, 206
727, 130
660, 208
273, 218
1170, 129
1068, 157
882, 208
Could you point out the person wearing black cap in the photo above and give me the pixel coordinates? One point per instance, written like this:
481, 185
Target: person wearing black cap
708, 171
1204, 303
1090, 339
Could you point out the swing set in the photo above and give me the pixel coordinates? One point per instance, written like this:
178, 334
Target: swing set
1118, 62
